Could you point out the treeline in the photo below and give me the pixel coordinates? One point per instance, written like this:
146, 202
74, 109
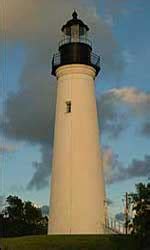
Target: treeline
20, 218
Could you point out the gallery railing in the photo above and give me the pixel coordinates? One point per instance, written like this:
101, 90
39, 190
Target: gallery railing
91, 59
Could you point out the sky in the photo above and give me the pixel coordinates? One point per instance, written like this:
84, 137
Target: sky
29, 34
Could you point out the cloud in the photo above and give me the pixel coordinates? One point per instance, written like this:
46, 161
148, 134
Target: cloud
109, 202
146, 129
7, 149
45, 210
30, 112
120, 7
41, 176
139, 168
129, 57
111, 119
113, 9
117, 8
120, 216
111, 164
35, 26
137, 99
115, 171
117, 108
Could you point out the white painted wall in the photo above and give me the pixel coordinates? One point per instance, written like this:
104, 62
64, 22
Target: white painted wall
77, 186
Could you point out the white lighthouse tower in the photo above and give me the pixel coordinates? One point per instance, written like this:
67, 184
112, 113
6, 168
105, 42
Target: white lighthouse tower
77, 184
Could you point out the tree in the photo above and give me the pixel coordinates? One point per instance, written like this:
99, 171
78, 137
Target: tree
141, 205
21, 218
32, 214
15, 208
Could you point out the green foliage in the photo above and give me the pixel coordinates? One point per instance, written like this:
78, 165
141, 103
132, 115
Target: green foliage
32, 214
21, 218
141, 205
15, 208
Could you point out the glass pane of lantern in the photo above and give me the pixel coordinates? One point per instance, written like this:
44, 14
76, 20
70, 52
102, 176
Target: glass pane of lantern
75, 33
68, 31
82, 31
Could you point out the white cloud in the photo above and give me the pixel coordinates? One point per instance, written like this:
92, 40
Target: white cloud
131, 96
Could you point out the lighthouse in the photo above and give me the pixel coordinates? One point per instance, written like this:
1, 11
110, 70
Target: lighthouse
77, 203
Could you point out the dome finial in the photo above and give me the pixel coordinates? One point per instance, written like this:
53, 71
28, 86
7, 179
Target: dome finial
74, 15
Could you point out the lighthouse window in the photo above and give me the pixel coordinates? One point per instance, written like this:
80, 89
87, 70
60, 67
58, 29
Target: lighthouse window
68, 107
75, 33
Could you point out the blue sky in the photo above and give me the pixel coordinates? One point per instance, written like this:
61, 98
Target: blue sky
29, 44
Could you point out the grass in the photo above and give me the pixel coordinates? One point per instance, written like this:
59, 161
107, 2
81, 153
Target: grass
71, 242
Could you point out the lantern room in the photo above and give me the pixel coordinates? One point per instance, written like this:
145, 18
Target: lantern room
75, 47
75, 31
